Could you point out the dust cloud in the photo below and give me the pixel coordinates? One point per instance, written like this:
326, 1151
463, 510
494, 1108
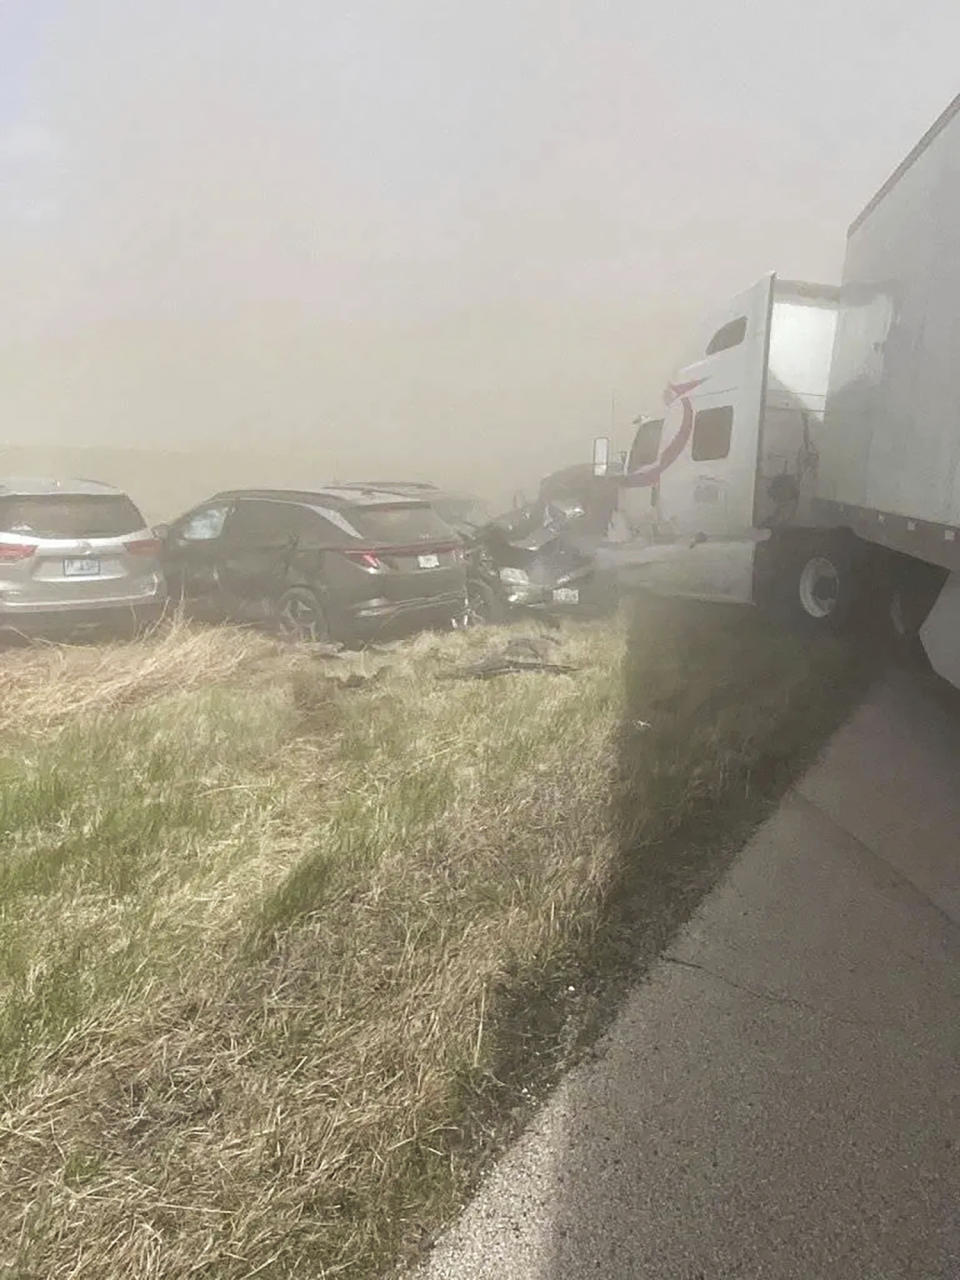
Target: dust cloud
293, 242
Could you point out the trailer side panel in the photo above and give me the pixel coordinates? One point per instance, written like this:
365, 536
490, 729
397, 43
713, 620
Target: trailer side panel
890, 450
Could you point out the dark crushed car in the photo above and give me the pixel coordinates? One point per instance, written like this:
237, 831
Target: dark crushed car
539, 557
472, 521
337, 563
475, 525
544, 560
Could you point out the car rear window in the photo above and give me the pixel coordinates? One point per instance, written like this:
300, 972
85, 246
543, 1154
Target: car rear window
399, 522
70, 516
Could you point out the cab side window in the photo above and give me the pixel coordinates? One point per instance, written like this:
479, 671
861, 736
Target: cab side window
730, 335
712, 429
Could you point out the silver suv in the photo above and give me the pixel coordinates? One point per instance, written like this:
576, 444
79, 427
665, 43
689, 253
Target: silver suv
74, 553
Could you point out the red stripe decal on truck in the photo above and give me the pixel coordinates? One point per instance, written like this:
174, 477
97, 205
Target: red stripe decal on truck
647, 476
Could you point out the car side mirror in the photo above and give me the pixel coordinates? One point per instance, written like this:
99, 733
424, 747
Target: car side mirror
161, 532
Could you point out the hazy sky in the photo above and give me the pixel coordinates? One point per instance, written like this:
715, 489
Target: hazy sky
419, 235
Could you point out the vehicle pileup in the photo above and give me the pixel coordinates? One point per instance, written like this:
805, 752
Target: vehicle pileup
811, 456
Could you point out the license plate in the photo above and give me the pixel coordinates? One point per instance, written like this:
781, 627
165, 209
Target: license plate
85, 568
566, 595
428, 562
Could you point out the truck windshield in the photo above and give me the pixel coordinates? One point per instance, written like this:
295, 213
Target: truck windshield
70, 516
646, 445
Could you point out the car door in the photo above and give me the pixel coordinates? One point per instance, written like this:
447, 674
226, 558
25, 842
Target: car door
259, 543
192, 552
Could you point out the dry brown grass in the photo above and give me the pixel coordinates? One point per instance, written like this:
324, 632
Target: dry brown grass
45, 685
258, 931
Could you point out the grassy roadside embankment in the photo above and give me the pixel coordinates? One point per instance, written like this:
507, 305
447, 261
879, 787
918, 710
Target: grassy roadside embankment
279, 960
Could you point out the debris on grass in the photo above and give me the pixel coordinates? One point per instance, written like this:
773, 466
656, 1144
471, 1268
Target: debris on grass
357, 680
525, 654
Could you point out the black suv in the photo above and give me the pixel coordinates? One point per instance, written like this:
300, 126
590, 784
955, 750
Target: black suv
337, 563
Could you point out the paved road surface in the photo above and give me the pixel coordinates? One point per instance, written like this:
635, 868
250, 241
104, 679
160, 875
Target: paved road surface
780, 1098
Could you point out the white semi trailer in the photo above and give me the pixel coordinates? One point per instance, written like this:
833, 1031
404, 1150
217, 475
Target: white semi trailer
811, 454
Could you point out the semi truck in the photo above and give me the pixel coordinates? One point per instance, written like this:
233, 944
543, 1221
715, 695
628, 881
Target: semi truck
810, 456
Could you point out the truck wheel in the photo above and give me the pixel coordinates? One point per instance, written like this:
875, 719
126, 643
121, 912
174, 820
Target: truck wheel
814, 586
300, 616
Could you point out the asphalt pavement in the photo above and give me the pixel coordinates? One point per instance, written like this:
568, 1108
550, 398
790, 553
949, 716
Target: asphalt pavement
780, 1098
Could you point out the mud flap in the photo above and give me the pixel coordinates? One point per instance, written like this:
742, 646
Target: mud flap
940, 634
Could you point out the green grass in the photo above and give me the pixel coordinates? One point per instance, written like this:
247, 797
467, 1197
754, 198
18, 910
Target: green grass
278, 958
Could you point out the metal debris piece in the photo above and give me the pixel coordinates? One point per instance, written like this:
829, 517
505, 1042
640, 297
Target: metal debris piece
525, 654
321, 649
356, 680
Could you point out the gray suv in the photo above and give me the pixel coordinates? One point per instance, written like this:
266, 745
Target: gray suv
74, 553
333, 563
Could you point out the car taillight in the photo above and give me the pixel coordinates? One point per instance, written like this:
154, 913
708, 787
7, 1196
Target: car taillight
144, 547
369, 559
11, 551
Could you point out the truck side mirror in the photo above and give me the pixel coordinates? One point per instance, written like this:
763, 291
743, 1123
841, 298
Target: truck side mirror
601, 455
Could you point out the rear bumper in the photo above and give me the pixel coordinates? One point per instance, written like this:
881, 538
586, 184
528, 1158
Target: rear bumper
592, 589
371, 618
61, 619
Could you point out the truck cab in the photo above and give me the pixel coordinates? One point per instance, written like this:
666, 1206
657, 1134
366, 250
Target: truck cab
735, 452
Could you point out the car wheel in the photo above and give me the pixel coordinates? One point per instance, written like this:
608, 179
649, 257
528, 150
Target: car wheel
484, 606
300, 616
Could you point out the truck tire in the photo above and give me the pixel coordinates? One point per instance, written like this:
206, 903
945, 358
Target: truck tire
814, 585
